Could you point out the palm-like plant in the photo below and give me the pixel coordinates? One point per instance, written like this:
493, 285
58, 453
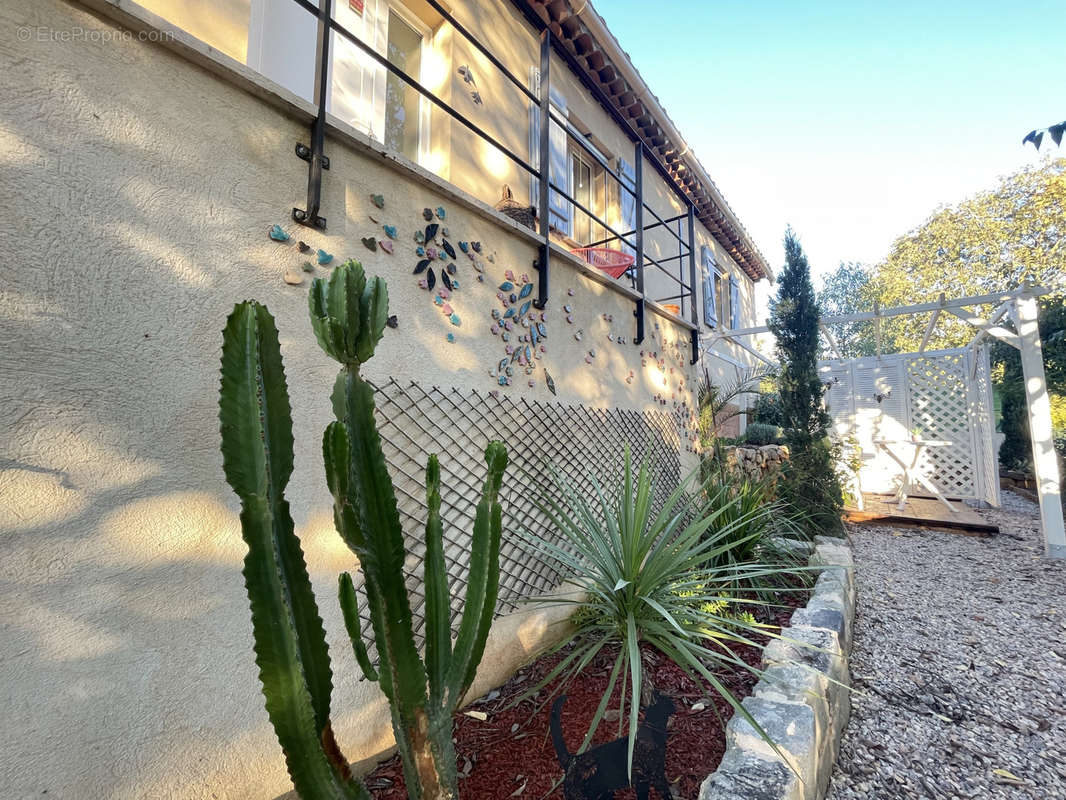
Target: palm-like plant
749, 517
645, 578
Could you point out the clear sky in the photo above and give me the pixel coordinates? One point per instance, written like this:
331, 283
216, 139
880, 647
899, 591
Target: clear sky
850, 121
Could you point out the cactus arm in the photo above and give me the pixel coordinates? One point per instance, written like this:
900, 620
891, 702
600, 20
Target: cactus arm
350, 610
377, 524
290, 642
438, 603
483, 581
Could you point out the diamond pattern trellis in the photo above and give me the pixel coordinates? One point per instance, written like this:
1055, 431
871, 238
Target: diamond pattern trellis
940, 409
579, 441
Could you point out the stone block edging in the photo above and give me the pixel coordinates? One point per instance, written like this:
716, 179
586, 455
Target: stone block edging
803, 699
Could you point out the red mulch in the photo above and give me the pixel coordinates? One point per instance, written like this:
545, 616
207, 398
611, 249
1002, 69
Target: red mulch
511, 754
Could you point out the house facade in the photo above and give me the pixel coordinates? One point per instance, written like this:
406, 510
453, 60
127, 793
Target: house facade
155, 156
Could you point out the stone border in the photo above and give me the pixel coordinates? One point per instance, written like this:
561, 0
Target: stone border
803, 699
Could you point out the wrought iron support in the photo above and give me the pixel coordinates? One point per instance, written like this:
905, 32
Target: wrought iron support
638, 180
695, 334
313, 153
544, 169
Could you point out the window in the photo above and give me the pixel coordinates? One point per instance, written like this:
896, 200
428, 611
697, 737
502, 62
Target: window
581, 186
734, 302
558, 165
712, 288
281, 45
588, 182
402, 103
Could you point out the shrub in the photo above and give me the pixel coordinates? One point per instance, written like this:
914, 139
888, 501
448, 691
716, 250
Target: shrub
810, 481
759, 433
645, 578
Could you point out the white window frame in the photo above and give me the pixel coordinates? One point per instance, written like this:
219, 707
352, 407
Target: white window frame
293, 65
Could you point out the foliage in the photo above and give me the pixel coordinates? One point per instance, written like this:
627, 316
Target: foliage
847, 290
810, 481
348, 315
749, 517
716, 405
989, 243
767, 408
759, 433
643, 579
1016, 451
809, 477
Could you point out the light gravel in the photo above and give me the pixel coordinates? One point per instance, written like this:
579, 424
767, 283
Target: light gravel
959, 664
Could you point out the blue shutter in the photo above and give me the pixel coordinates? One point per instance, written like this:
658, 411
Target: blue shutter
710, 306
560, 174
627, 202
734, 302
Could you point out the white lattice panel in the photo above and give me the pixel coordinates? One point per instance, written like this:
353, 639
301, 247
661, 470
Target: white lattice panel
940, 409
944, 396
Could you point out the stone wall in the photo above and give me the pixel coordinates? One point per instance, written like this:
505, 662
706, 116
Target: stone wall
756, 463
803, 699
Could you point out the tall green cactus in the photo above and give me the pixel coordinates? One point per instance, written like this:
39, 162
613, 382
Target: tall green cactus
348, 315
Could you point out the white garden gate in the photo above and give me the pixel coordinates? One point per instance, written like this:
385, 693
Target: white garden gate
943, 395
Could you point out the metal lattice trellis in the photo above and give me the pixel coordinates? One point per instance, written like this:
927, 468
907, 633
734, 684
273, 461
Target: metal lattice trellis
579, 441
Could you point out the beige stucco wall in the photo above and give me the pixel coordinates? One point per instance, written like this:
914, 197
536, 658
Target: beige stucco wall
139, 189
458, 155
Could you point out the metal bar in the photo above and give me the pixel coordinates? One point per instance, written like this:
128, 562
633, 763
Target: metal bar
692, 285
422, 90
482, 49
605, 101
638, 172
632, 232
313, 154
584, 209
664, 223
544, 164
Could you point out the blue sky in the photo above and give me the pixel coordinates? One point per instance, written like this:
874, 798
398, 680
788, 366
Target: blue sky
850, 121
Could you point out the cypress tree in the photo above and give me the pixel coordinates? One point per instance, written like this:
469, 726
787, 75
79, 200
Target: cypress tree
811, 483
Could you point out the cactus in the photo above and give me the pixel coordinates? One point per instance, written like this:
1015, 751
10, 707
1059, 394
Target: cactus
348, 315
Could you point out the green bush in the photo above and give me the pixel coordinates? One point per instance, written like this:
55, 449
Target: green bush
653, 578
759, 433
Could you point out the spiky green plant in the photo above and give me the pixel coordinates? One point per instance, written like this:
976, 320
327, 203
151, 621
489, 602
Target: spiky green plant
348, 314
748, 516
644, 578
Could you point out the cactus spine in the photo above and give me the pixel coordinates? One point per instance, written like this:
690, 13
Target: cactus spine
348, 314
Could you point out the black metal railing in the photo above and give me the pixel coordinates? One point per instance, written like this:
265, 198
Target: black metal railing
634, 239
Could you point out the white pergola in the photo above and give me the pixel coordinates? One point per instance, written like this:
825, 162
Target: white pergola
1019, 306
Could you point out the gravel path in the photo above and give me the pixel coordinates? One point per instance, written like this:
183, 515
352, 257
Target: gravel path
959, 664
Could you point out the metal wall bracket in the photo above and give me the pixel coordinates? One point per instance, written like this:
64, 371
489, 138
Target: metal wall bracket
303, 152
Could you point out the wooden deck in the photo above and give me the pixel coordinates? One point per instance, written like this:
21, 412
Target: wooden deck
926, 512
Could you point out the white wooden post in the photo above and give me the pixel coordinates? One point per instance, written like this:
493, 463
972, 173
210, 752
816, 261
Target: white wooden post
1045, 464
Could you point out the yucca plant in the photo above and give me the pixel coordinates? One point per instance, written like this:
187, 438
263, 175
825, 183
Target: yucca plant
645, 580
348, 314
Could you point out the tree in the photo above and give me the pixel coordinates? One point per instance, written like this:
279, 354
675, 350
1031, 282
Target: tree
847, 290
810, 483
989, 243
